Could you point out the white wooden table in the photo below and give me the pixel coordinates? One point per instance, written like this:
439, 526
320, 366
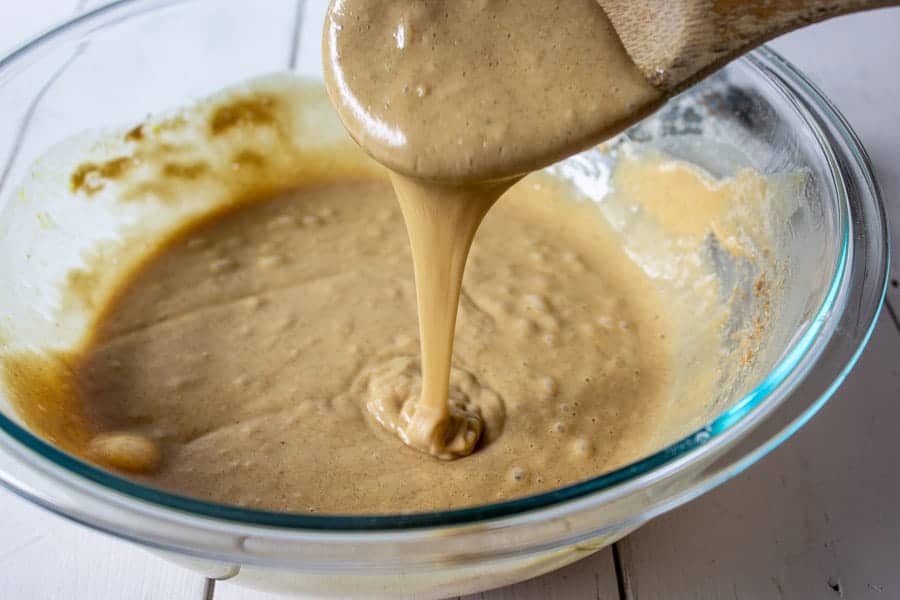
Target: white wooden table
829, 524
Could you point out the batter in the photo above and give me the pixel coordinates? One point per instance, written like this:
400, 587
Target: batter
479, 90
266, 351
257, 350
458, 98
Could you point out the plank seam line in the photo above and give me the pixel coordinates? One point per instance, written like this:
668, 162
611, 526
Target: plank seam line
892, 313
295, 35
209, 589
621, 579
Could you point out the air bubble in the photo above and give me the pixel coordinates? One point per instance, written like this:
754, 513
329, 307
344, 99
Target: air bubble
222, 265
281, 222
582, 448
179, 383
524, 327
536, 302
269, 261
550, 386
232, 243
586, 329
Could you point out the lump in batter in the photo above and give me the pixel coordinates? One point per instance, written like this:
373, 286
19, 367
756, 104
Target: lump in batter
394, 390
130, 452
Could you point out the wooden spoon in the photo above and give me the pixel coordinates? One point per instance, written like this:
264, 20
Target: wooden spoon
675, 43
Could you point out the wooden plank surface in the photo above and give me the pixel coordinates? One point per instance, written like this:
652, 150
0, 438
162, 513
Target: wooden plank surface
42, 556
45, 557
593, 578
818, 518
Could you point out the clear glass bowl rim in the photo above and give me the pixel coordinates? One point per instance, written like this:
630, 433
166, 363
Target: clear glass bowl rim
724, 430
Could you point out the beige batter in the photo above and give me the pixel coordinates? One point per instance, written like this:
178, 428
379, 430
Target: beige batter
478, 90
248, 360
265, 351
457, 98
268, 355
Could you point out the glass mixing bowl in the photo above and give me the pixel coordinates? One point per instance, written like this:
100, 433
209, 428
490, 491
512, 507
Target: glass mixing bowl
134, 57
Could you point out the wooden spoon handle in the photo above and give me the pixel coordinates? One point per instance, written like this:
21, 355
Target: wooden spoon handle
677, 42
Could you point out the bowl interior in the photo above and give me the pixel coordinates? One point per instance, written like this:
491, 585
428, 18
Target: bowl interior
113, 70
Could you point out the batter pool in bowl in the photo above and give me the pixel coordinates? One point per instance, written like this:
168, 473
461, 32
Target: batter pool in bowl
258, 354
777, 275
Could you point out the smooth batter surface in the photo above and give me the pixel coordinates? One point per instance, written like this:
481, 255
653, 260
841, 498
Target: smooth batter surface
250, 351
265, 351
